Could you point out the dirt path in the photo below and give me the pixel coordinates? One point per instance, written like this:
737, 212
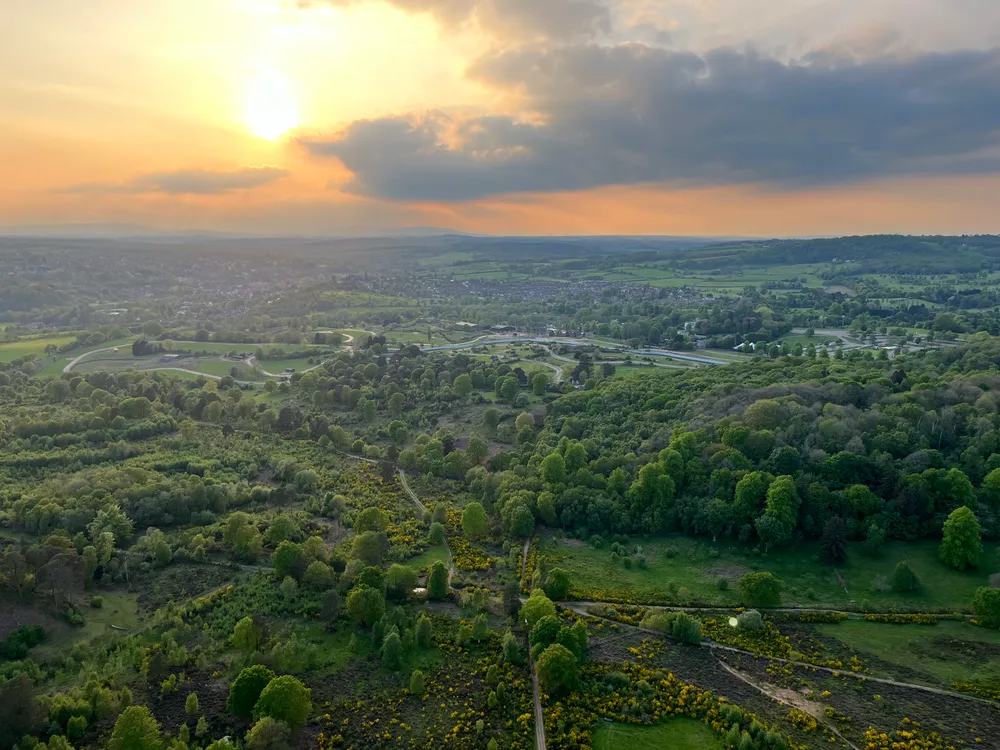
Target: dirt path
423, 509
539, 716
524, 556
411, 493
789, 698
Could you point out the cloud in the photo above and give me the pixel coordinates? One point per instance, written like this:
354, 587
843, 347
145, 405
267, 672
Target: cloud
521, 19
631, 113
186, 182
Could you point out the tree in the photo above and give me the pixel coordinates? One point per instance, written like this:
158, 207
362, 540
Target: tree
491, 418
437, 534
991, 489
191, 704
319, 575
557, 669
509, 388
760, 590
282, 528
475, 524
285, 698
417, 683
477, 450
537, 607
962, 545
511, 649
246, 690
986, 606
371, 519
539, 382
557, 584
480, 627
365, 605
462, 385
544, 632
425, 631
246, 635
268, 734
331, 605
904, 579
288, 560
14, 569
553, 469
369, 547
136, 729
780, 512
400, 581
392, 652
437, 581
832, 543
20, 711
288, 587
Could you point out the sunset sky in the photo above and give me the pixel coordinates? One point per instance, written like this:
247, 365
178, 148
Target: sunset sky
706, 117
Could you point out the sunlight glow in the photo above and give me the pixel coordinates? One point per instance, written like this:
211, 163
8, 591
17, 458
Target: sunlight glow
270, 106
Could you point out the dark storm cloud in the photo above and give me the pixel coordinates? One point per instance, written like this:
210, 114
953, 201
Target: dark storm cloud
632, 113
520, 19
187, 182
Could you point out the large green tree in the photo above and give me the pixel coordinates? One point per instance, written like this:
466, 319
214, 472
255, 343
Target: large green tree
287, 699
557, 669
962, 545
136, 729
246, 690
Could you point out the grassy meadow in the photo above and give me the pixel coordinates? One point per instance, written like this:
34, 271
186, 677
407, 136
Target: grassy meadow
680, 569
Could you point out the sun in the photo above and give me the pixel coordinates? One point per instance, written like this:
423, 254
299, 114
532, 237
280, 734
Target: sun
270, 107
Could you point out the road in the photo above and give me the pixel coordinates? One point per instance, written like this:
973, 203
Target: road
78, 360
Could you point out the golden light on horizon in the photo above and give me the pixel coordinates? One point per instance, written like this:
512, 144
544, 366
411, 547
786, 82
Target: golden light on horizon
270, 107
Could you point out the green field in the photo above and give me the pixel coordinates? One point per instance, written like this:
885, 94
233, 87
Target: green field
18, 349
216, 348
120, 610
948, 651
429, 556
222, 367
631, 371
680, 733
695, 567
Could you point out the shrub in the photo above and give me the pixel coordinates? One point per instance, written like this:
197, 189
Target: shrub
97, 602
750, 620
417, 683
760, 590
268, 734
986, 605
904, 579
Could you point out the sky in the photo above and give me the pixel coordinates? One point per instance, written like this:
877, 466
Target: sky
683, 117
